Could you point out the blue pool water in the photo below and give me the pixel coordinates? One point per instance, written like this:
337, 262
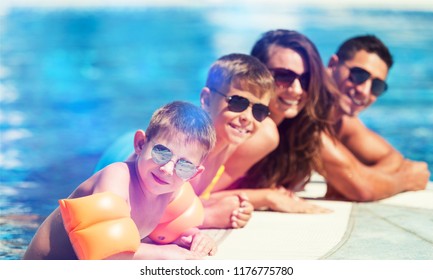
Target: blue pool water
72, 81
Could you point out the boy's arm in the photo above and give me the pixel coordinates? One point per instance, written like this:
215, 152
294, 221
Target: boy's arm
50, 241
158, 252
197, 242
275, 199
230, 211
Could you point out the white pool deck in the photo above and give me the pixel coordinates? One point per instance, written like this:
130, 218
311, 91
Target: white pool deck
397, 228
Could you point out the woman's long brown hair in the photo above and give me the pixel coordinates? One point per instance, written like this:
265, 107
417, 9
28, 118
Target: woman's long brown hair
297, 154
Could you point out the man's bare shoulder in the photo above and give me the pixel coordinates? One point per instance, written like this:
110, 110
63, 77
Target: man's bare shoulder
351, 127
333, 151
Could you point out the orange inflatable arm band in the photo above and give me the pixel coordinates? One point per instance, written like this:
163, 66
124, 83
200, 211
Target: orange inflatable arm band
183, 213
99, 225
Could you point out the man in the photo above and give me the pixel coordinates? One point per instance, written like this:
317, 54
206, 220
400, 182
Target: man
359, 165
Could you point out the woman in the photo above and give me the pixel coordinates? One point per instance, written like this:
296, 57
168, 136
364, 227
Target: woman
282, 155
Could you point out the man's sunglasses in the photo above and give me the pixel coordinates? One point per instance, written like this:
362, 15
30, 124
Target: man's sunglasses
358, 76
284, 78
184, 169
238, 104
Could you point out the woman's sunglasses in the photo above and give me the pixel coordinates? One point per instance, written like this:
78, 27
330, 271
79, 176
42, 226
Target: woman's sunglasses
238, 104
284, 78
358, 76
184, 169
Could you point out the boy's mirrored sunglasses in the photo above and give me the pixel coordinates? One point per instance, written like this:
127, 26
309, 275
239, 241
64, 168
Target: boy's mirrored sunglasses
238, 104
284, 78
184, 169
359, 75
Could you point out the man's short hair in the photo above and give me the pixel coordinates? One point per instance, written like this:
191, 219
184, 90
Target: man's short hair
369, 43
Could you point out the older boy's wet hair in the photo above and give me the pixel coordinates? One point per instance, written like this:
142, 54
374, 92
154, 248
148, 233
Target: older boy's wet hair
243, 72
368, 43
183, 121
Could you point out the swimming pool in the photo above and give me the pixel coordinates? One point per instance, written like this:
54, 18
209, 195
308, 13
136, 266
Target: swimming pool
72, 81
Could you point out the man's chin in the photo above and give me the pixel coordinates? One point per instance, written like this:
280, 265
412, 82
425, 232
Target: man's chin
351, 111
348, 111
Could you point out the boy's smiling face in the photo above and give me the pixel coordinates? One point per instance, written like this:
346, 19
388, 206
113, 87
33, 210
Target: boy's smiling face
162, 178
232, 127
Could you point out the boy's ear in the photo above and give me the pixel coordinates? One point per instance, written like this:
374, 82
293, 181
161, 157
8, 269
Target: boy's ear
140, 140
200, 169
205, 96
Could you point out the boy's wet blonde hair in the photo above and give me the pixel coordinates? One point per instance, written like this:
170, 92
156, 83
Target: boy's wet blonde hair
243, 72
183, 121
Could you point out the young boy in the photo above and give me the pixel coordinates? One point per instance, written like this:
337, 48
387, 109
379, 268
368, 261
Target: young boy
237, 93
167, 155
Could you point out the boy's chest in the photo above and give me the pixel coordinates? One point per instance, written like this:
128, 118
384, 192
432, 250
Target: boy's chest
147, 218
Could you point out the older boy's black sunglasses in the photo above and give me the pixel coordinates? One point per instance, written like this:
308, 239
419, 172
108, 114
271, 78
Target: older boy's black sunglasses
285, 78
238, 104
359, 75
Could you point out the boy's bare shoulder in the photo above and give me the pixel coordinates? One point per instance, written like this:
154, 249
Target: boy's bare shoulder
266, 137
264, 141
117, 168
115, 177
269, 131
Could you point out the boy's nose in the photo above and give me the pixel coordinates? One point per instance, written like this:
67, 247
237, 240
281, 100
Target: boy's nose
168, 168
247, 115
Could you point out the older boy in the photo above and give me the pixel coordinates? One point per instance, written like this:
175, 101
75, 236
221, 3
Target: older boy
237, 93
167, 155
